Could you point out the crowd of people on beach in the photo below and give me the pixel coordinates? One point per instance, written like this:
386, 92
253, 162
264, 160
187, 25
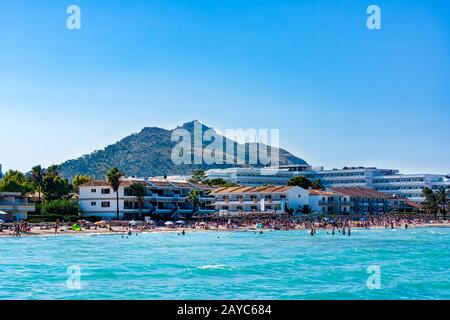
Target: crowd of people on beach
341, 225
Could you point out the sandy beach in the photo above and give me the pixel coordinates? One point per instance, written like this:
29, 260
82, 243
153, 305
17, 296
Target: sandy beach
65, 229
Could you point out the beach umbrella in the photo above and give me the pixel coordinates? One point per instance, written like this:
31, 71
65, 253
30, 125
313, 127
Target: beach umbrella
202, 224
132, 223
363, 219
168, 223
2, 221
180, 222
3, 213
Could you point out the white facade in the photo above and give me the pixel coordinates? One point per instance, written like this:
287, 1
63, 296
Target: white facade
388, 181
272, 199
162, 197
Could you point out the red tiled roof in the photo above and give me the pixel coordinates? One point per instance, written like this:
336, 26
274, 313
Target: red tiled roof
314, 192
104, 183
261, 189
359, 192
161, 183
413, 204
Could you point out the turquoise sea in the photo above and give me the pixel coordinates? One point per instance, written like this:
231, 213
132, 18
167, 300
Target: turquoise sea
413, 264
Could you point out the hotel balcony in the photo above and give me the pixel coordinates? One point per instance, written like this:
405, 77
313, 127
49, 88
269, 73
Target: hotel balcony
22, 206
335, 203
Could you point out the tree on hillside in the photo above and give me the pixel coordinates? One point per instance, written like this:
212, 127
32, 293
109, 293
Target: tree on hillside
78, 180
37, 179
113, 178
300, 181
198, 176
138, 190
15, 181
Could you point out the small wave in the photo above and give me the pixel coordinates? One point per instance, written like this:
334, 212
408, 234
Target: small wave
214, 266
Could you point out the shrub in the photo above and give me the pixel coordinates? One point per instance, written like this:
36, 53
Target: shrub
59, 207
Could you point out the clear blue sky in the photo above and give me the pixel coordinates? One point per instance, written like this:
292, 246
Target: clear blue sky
339, 93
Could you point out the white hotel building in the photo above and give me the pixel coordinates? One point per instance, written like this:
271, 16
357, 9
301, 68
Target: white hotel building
388, 181
162, 197
274, 199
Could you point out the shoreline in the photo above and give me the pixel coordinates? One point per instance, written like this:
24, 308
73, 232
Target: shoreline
66, 232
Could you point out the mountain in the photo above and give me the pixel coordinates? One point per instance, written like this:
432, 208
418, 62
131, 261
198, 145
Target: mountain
148, 153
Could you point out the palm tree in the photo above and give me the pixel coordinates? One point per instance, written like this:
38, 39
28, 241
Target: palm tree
113, 178
442, 199
198, 176
138, 190
53, 170
306, 209
37, 179
430, 203
317, 185
194, 198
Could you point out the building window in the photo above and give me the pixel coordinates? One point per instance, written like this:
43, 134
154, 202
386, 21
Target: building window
106, 191
93, 190
93, 203
105, 204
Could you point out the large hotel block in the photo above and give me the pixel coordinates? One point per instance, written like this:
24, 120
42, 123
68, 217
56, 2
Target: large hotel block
387, 181
282, 199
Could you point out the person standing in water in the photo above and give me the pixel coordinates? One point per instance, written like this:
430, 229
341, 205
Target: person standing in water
312, 232
332, 231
